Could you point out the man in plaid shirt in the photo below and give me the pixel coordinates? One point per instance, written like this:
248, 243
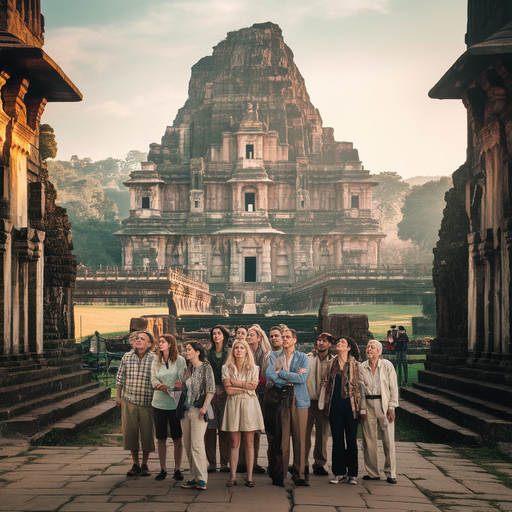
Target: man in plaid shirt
134, 394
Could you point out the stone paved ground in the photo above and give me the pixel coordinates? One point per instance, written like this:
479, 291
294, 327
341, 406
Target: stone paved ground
430, 477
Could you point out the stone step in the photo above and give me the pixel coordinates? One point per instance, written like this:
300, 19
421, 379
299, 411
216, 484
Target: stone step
8, 413
498, 410
82, 420
42, 417
446, 431
486, 425
19, 393
468, 385
38, 371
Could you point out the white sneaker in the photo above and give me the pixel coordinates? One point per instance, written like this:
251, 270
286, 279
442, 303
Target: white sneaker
352, 480
338, 478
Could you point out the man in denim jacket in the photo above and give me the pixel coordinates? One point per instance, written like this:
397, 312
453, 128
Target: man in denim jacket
290, 367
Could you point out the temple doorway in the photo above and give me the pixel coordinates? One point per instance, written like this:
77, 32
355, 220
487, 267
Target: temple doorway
250, 269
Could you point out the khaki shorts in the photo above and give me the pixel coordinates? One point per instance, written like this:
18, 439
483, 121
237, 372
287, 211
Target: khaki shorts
137, 420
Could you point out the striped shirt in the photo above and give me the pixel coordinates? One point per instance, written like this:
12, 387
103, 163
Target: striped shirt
134, 375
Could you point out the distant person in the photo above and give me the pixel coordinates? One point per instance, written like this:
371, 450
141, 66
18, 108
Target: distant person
390, 347
401, 346
380, 389
217, 357
343, 408
319, 369
275, 337
240, 333
134, 396
198, 389
243, 417
288, 370
167, 370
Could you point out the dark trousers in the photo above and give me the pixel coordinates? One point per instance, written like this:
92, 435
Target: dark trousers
344, 438
401, 362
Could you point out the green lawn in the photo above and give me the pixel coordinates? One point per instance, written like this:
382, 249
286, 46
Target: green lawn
380, 316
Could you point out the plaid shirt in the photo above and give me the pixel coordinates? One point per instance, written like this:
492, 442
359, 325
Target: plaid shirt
134, 375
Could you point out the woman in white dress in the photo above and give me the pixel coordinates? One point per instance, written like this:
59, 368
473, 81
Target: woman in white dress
242, 416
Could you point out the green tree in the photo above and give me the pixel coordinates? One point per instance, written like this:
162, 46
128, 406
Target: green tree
388, 197
422, 213
47, 142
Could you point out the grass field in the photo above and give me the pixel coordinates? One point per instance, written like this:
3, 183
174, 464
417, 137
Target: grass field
380, 316
110, 319
116, 319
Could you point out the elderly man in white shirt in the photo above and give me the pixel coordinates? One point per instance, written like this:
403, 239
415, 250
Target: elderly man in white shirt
381, 398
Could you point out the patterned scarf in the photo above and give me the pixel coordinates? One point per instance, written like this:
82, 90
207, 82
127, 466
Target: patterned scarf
350, 376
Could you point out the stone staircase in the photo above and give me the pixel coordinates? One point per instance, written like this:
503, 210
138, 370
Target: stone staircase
457, 402
249, 303
38, 395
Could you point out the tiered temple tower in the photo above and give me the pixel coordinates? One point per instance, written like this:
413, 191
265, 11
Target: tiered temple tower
247, 189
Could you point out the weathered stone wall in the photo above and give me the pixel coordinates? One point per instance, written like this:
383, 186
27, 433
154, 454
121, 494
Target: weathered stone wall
451, 268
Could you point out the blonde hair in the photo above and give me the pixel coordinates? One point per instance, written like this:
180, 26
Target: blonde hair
263, 345
248, 362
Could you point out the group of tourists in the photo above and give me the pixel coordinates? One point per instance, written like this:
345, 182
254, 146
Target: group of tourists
397, 344
234, 393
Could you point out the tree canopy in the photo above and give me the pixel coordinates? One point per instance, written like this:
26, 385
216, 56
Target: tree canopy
422, 213
389, 195
95, 199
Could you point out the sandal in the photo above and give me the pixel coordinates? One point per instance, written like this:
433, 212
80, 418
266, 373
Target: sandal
249, 483
231, 483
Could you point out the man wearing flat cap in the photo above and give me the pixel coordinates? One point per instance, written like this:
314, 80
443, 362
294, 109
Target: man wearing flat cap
378, 409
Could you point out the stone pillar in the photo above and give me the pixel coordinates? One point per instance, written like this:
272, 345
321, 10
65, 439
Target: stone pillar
337, 251
266, 259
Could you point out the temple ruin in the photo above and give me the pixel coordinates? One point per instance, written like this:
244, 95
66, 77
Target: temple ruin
247, 190
467, 378
40, 367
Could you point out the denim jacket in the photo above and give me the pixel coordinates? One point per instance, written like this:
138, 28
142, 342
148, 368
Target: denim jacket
281, 377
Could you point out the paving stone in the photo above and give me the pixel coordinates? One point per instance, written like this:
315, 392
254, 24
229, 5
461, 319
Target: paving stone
45, 503
481, 508
375, 503
444, 485
235, 507
310, 508
342, 495
154, 507
90, 506
92, 499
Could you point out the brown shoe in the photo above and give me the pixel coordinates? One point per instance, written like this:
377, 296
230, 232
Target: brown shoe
134, 471
144, 470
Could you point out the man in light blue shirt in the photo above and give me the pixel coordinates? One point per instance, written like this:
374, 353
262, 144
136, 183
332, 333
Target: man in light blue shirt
290, 367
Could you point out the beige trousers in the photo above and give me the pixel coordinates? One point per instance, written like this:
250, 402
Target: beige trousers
137, 422
375, 416
317, 418
193, 439
294, 424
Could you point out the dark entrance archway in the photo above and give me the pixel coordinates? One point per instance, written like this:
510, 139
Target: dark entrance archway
250, 269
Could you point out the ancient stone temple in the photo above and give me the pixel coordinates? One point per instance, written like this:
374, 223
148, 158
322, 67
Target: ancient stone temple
467, 379
247, 189
41, 380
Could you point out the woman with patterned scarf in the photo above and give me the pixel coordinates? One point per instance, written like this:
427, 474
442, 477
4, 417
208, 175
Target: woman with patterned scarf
343, 407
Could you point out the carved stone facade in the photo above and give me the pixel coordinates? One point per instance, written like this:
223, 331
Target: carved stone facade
477, 302
247, 188
28, 80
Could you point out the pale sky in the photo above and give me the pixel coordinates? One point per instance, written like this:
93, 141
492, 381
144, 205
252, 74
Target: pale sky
368, 67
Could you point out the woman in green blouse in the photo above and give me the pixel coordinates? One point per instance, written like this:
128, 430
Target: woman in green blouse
167, 371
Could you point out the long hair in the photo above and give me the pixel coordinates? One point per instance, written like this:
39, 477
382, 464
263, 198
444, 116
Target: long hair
173, 349
225, 333
248, 363
354, 349
263, 344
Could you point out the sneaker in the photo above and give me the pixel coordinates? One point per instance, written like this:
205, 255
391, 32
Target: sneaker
144, 470
352, 480
162, 475
178, 475
338, 478
191, 484
134, 471
201, 485
321, 471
